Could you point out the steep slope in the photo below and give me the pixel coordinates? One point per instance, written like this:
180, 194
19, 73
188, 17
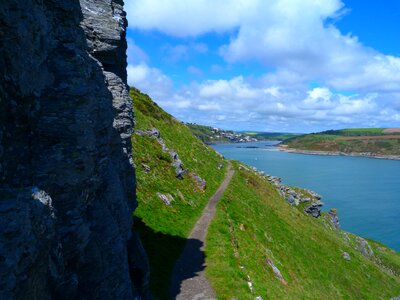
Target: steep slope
377, 142
67, 183
173, 185
258, 244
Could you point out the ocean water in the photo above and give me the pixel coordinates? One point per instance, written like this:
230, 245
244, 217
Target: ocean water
365, 191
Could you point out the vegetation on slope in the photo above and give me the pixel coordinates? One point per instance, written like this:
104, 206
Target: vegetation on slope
271, 136
371, 141
210, 135
255, 224
163, 228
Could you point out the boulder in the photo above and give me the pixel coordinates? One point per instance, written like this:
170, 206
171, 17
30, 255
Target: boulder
314, 209
364, 247
346, 256
166, 198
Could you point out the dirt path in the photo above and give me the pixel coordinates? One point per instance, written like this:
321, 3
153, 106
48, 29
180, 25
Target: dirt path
188, 278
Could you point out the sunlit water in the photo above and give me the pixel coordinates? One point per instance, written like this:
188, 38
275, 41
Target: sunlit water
365, 191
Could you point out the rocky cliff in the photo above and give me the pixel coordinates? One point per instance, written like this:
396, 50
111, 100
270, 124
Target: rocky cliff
67, 182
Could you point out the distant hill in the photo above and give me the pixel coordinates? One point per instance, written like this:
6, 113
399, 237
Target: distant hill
276, 136
212, 135
267, 240
379, 142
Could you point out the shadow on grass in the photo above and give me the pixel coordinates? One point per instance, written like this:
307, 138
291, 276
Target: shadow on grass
163, 251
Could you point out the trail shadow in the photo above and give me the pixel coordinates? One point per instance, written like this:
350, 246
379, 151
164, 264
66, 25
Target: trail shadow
163, 251
187, 266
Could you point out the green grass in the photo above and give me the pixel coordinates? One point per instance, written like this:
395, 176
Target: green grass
256, 223
356, 132
328, 141
253, 223
170, 224
207, 135
276, 136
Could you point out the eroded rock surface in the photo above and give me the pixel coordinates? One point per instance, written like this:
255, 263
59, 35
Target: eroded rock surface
177, 163
66, 171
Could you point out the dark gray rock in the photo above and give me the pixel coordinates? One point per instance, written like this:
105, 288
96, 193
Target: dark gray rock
30, 251
65, 127
177, 164
333, 218
314, 209
364, 247
290, 198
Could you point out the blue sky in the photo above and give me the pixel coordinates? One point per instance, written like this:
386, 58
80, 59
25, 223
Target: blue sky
276, 65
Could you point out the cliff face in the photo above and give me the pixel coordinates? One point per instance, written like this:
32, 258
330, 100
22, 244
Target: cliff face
67, 182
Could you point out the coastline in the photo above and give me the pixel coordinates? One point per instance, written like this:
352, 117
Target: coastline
338, 153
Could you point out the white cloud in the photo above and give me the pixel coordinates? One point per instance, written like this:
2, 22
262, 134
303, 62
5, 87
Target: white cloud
135, 53
294, 40
245, 104
293, 36
187, 18
149, 80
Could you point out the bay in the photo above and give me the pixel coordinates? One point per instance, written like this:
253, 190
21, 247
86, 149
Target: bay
365, 191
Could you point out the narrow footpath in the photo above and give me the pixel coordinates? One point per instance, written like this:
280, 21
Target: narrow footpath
188, 278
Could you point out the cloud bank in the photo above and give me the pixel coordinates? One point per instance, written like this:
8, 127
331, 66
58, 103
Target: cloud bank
298, 40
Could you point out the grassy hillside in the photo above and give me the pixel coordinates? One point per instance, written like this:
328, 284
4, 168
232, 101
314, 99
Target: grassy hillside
276, 136
210, 135
207, 134
374, 141
163, 228
254, 224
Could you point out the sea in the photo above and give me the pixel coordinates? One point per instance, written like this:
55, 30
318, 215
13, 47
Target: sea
365, 191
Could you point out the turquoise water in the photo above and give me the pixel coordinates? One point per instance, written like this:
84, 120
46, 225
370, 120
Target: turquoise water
365, 191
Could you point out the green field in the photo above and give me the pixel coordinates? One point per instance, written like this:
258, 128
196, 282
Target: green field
253, 223
371, 141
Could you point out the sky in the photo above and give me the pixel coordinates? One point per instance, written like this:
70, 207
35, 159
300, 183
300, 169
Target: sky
268, 65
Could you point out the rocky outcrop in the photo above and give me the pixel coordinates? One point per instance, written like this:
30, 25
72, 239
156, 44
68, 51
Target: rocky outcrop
166, 198
364, 247
294, 197
66, 170
177, 163
201, 183
333, 218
